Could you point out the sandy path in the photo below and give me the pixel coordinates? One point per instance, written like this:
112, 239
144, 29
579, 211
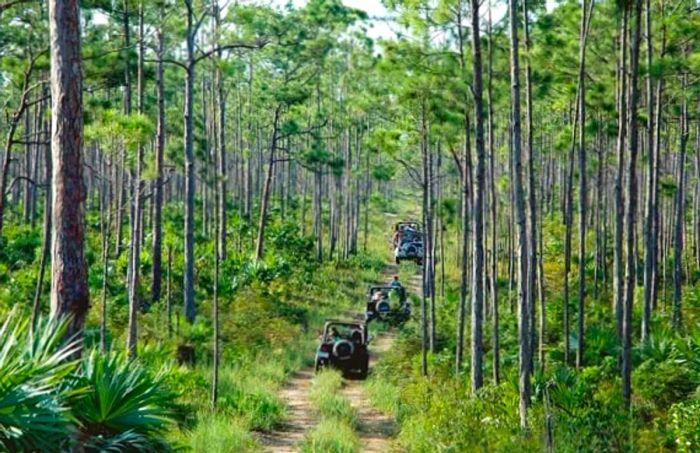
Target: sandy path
374, 428
300, 415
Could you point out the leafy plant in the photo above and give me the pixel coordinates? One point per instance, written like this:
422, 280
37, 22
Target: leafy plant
33, 413
125, 408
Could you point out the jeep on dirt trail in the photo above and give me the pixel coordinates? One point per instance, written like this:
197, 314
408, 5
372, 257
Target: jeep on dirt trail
388, 303
344, 347
408, 242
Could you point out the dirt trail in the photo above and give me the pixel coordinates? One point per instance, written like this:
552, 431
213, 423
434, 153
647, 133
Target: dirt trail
375, 429
300, 415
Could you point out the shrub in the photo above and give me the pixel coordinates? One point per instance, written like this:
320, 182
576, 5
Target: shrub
685, 425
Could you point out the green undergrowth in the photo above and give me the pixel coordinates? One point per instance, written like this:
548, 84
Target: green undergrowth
271, 313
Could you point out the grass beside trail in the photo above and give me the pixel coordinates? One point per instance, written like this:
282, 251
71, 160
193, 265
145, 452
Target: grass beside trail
335, 431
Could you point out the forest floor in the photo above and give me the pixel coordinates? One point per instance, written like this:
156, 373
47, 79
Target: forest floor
374, 428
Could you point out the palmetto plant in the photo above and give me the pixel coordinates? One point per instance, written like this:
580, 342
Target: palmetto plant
33, 413
126, 407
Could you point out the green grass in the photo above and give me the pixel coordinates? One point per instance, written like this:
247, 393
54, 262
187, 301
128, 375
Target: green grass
330, 404
219, 432
384, 395
330, 436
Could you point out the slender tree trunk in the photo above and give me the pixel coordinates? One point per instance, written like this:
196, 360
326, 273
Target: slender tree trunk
650, 263
630, 268
265, 201
426, 244
106, 228
136, 219
157, 247
46, 243
618, 281
523, 311
680, 212
221, 179
190, 310
583, 183
532, 192
477, 304
494, 208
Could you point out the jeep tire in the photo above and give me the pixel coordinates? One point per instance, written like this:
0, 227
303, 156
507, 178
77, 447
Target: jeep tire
364, 367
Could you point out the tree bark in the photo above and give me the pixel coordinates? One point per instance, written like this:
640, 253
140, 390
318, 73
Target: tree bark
69, 285
157, 245
477, 377
190, 309
523, 319
631, 213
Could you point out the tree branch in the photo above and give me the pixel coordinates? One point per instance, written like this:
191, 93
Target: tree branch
242, 45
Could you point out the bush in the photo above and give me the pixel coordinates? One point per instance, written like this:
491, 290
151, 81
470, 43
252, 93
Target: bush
685, 425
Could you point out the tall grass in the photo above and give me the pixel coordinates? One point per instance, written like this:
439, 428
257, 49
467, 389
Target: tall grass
335, 432
219, 432
384, 395
329, 436
330, 404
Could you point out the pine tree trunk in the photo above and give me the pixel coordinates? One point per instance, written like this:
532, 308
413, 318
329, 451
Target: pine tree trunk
631, 220
190, 310
523, 298
157, 246
69, 285
477, 304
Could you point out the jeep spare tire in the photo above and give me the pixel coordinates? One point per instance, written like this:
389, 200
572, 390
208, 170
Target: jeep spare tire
343, 349
383, 307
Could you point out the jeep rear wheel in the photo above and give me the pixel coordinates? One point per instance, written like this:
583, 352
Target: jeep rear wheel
364, 368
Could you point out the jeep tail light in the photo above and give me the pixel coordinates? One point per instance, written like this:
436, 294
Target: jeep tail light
326, 347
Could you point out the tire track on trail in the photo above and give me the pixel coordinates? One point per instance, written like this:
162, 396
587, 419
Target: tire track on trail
374, 428
301, 416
